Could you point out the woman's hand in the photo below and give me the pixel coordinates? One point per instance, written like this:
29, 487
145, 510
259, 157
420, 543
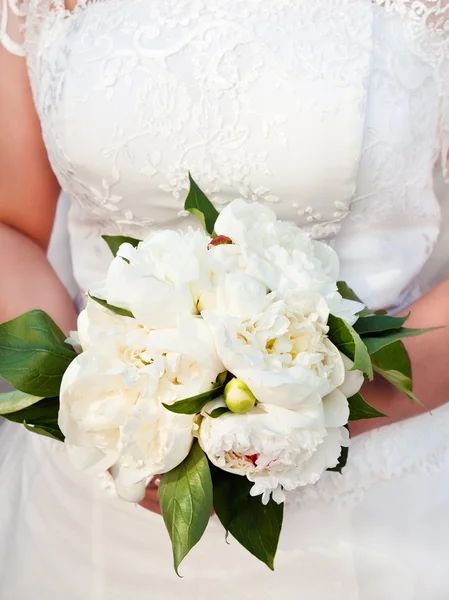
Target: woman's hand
428, 354
151, 501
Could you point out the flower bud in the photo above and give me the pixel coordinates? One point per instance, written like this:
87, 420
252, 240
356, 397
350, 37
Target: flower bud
218, 241
238, 397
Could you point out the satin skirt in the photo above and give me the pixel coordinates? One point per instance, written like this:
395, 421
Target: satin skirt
380, 531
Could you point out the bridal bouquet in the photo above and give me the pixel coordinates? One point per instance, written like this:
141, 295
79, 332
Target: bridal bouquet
228, 359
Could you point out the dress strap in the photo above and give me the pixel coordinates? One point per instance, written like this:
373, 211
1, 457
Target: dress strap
12, 21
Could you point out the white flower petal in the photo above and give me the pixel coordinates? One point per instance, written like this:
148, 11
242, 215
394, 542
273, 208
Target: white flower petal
90, 460
326, 455
336, 409
353, 380
240, 295
275, 448
111, 409
160, 280
131, 493
239, 218
279, 349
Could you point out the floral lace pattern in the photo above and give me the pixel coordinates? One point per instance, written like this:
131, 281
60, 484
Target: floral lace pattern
208, 134
430, 13
207, 100
380, 455
428, 27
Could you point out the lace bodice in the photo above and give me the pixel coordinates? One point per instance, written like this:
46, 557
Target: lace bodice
333, 112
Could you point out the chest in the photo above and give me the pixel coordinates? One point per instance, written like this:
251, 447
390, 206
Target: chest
268, 101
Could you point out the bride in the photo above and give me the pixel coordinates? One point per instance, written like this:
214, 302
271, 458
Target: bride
333, 112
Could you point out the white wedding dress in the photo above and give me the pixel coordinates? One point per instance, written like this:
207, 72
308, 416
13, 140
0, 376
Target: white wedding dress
333, 112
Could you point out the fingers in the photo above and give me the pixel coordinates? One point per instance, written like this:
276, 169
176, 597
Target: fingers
155, 482
151, 501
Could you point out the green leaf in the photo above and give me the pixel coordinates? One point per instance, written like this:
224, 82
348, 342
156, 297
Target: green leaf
201, 207
341, 461
50, 432
14, 401
360, 409
394, 356
346, 292
376, 343
400, 381
194, 404
185, 496
115, 241
122, 312
368, 312
33, 354
349, 343
42, 415
217, 412
256, 526
378, 324
393, 364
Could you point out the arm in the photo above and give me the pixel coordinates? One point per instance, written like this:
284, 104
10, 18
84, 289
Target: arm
28, 196
428, 354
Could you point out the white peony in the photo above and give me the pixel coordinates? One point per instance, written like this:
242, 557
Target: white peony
281, 255
97, 323
276, 344
111, 396
160, 280
153, 441
276, 448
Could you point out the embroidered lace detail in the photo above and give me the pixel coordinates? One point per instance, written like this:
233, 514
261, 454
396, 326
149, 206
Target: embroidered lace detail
217, 99
428, 25
434, 14
381, 455
12, 18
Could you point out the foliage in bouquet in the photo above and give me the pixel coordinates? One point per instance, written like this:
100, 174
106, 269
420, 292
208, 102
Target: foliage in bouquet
228, 359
